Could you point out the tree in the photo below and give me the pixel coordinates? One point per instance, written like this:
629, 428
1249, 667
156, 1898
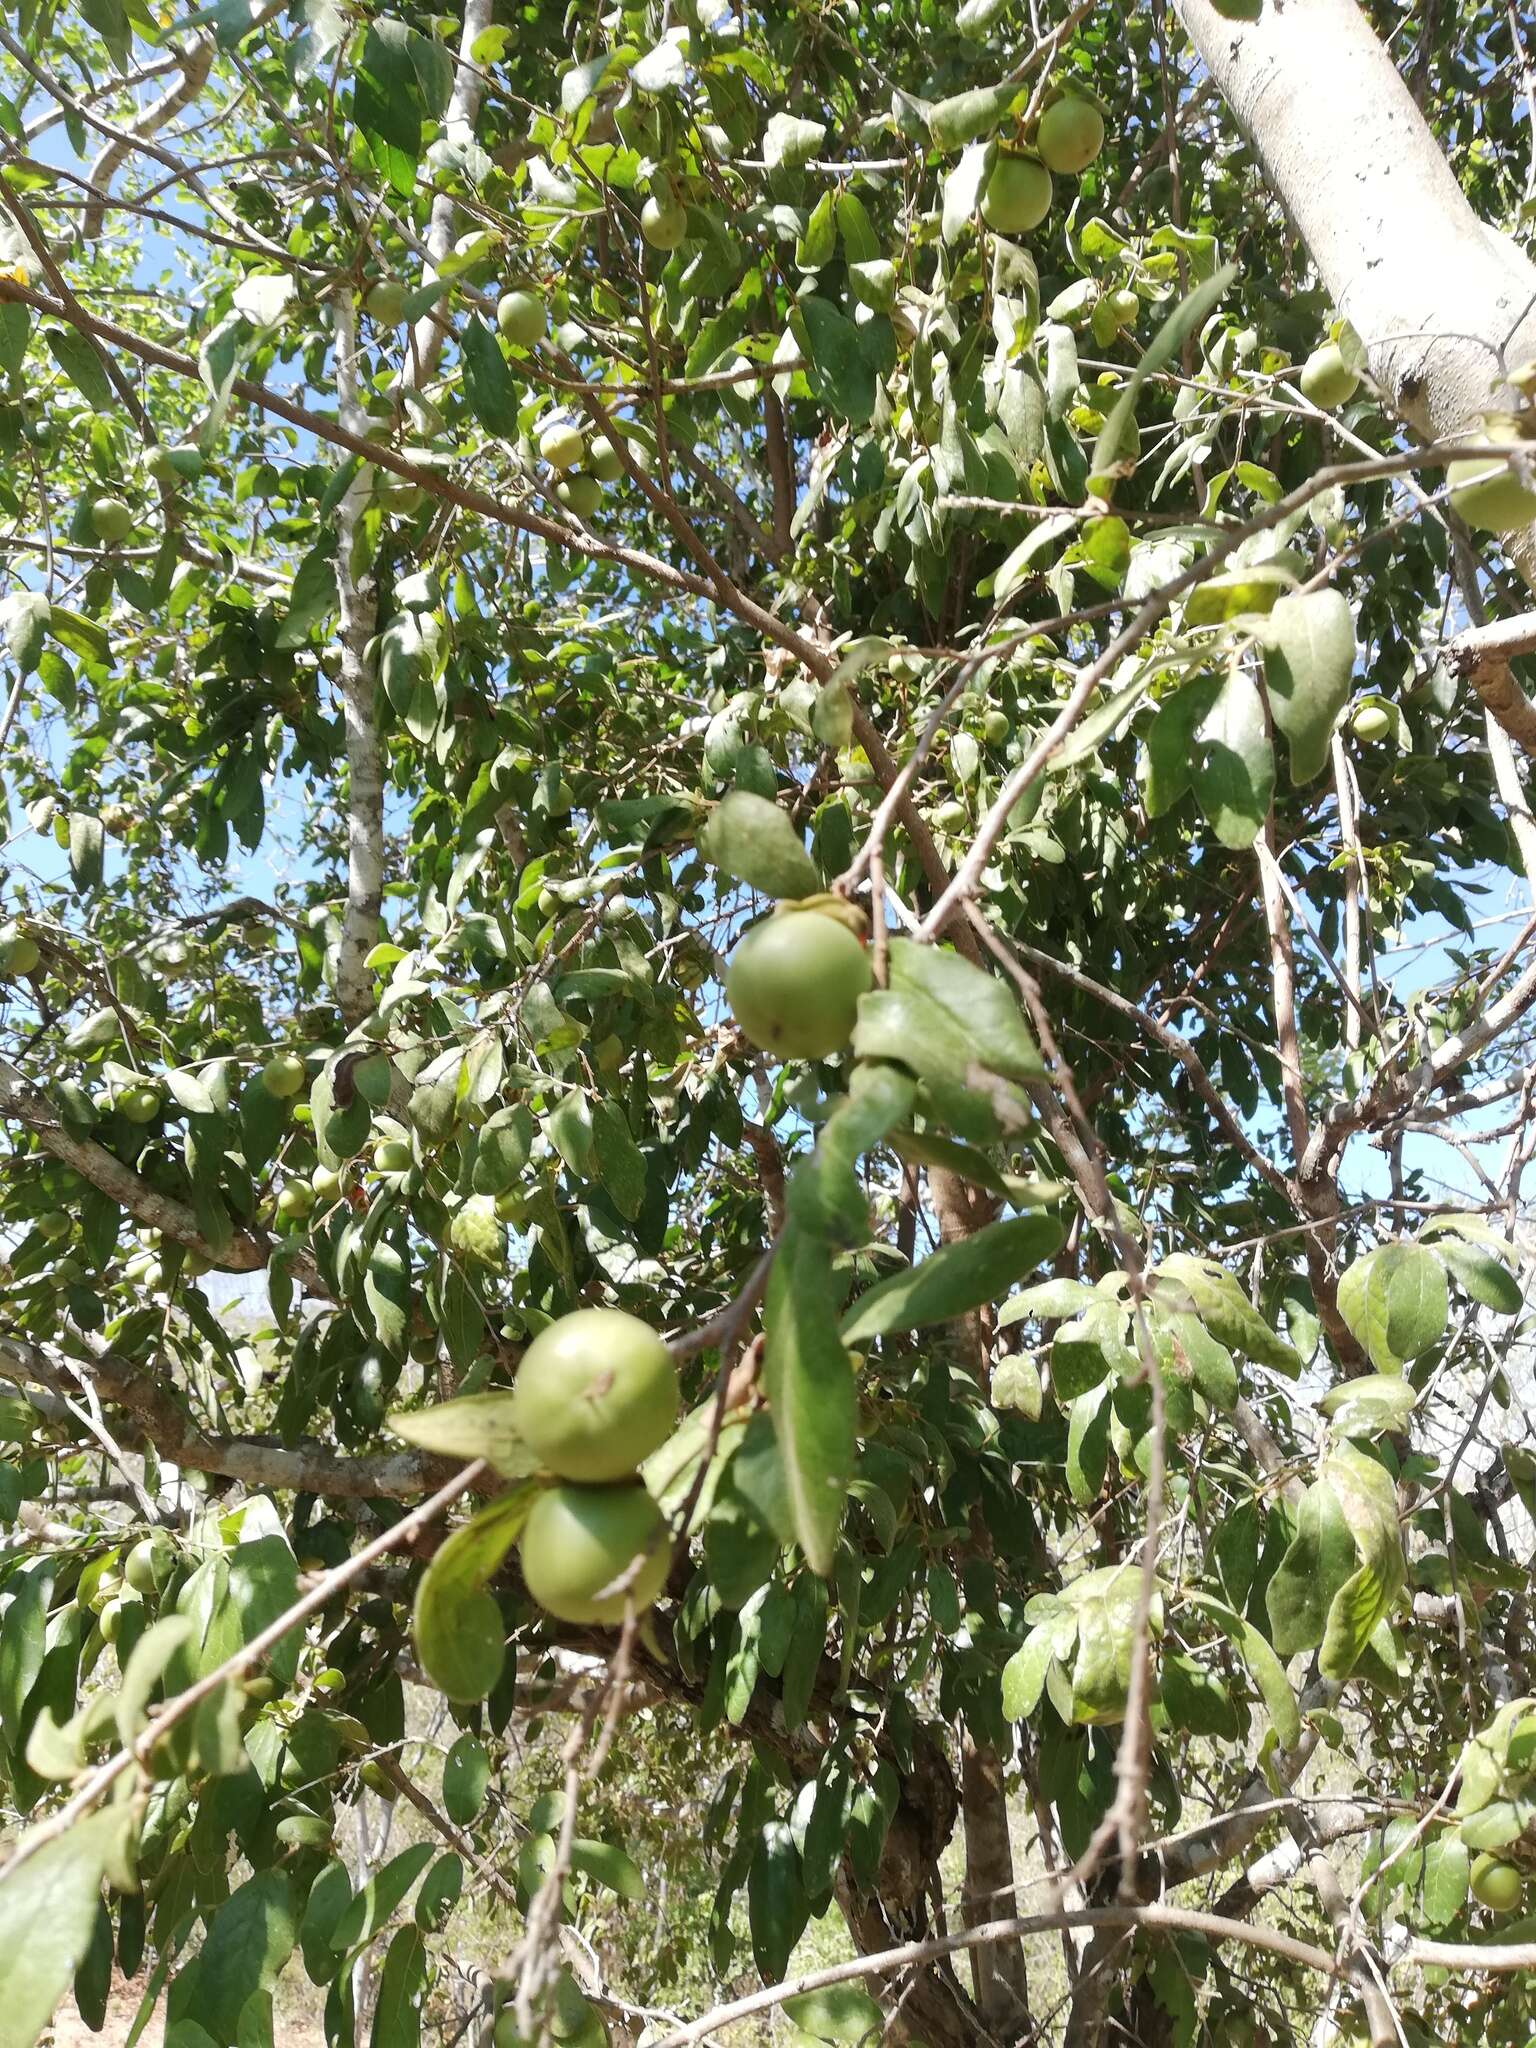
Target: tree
802, 679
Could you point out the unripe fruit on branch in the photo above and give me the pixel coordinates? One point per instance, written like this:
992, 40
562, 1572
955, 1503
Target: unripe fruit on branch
139, 1105
579, 1539
111, 520
1070, 135
664, 222
283, 1075
1326, 378
522, 319
595, 1394
386, 301
18, 955
794, 984
1017, 196
392, 1155
296, 1202
1371, 722
580, 493
1497, 1884
1489, 495
562, 446
603, 461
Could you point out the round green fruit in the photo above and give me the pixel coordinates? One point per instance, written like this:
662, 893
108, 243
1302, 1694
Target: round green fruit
1488, 494
19, 955
579, 1539
283, 1075
595, 1393
110, 1621
147, 1564
996, 727
111, 520
521, 317
1497, 1884
1070, 135
562, 446
664, 222
581, 493
1018, 195
386, 301
296, 1202
951, 815
392, 1155
1326, 379
140, 1105
326, 1182
794, 984
1371, 722
52, 1226
603, 461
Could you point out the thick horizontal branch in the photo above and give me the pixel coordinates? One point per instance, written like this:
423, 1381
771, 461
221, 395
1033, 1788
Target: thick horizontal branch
161, 1423
1481, 656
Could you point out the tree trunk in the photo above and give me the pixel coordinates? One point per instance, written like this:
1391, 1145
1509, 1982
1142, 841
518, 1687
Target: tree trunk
1443, 302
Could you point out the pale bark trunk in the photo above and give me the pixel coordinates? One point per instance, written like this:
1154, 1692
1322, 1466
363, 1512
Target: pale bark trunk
463, 111
1443, 302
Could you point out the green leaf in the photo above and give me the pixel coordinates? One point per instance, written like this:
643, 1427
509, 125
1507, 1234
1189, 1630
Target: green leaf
777, 1908
488, 386
466, 1774
1164, 345
381, 1896
1024, 1673
809, 1383
312, 598
844, 2013
959, 1276
1088, 1444
47, 1918
840, 370
87, 848
1215, 1297
1234, 768
474, 1426
1309, 657
1016, 1387
620, 1162
402, 1985
963, 188
387, 1293
329, 1897
966, 116
607, 1864
1447, 1870
460, 1635
439, 1894
402, 79
1375, 1406
1246, 593
81, 364
250, 1938
978, 1005
1395, 1303
1319, 1562
826, 1196
1171, 743
1264, 1666
1483, 1276
191, 1091
789, 143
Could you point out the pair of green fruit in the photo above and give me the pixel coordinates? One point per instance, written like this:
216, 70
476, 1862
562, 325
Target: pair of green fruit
595, 1394
1018, 191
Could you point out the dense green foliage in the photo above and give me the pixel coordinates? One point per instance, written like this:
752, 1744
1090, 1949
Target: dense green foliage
490, 506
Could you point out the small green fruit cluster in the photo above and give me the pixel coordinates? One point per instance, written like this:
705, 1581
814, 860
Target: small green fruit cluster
595, 1394
794, 984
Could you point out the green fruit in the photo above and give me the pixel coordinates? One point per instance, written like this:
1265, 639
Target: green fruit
111, 520
583, 494
1488, 494
794, 984
19, 954
139, 1105
996, 727
147, 1564
392, 1155
1070, 135
1018, 195
562, 446
52, 1226
579, 1539
595, 1394
296, 1202
1326, 379
68, 1272
951, 815
1497, 1884
386, 302
664, 222
326, 1182
1371, 722
110, 1621
603, 461
382, 1787
522, 319
283, 1075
